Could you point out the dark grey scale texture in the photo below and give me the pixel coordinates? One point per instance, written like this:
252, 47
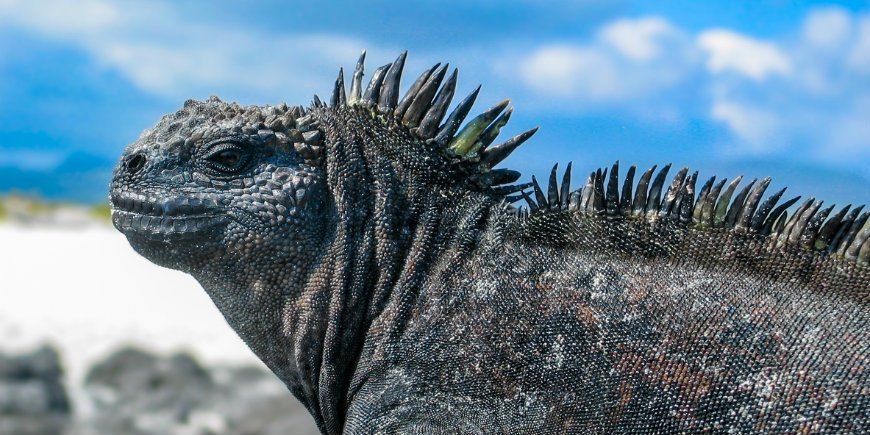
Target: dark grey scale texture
369, 253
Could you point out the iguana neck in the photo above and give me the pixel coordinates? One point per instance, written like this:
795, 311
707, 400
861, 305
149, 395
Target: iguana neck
377, 248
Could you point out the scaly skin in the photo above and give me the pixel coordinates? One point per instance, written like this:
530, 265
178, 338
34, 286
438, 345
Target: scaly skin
394, 292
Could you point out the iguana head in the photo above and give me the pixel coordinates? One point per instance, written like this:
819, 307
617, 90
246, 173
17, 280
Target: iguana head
216, 180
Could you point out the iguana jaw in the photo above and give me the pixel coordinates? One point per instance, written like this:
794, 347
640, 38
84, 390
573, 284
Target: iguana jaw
164, 217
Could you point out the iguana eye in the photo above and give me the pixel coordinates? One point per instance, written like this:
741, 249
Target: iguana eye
228, 158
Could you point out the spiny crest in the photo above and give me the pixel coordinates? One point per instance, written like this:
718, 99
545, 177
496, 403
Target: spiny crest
844, 234
423, 109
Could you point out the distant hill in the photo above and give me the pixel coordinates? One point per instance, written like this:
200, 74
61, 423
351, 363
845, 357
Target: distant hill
32, 210
81, 177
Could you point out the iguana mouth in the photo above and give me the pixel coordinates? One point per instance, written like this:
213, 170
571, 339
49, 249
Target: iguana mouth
150, 215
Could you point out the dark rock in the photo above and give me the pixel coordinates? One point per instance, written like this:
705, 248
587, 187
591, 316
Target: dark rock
135, 392
33, 399
132, 371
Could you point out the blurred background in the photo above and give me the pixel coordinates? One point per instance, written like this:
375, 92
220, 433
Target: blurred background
94, 339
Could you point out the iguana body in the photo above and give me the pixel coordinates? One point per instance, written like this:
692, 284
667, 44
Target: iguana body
366, 252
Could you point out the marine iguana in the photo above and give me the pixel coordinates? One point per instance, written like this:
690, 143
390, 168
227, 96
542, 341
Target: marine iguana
368, 252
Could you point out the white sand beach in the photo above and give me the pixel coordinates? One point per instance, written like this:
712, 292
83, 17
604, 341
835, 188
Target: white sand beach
87, 292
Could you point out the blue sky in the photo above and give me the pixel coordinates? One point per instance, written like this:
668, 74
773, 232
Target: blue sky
758, 88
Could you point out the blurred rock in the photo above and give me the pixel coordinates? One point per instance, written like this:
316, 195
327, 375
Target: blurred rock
133, 378
33, 399
136, 392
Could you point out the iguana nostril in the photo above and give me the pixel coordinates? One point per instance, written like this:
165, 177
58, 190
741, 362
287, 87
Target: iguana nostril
135, 163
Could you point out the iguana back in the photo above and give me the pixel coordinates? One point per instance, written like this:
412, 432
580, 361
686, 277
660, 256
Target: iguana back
369, 253
595, 339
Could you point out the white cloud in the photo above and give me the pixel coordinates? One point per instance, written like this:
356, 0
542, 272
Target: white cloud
859, 58
756, 128
818, 106
253, 63
639, 40
731, 51
850, 133
827, 28
170, 55
63, 18
569, 71
628, 59
805, 93
39, 160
